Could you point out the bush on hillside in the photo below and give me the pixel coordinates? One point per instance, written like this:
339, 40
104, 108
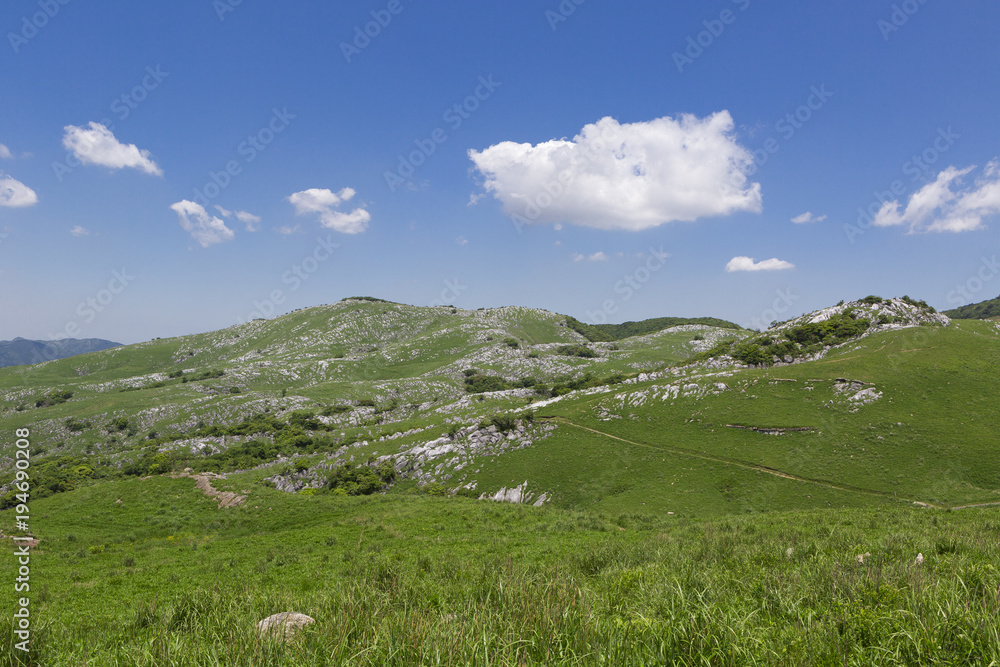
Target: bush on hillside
54, 397
576, 351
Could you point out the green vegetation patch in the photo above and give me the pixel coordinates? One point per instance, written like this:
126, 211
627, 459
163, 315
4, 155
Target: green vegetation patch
603, 333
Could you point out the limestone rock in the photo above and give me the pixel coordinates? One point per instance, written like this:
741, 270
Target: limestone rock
286, 624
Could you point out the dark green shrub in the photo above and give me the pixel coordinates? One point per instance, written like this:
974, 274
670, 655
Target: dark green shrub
751, 354
478, 384
576, 351
54, 397
504, 423
76, 425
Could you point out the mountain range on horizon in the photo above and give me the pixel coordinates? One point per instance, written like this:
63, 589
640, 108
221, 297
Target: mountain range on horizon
22, 352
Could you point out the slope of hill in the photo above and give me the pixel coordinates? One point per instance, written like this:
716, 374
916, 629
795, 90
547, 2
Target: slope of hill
612, 332
984, 310
19, 352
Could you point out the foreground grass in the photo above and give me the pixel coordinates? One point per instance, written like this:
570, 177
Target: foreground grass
165, 578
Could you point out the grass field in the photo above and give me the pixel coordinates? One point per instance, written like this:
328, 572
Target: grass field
167, 578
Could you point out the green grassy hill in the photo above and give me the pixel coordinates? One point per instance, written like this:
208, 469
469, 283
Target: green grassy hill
984, 310
676, 505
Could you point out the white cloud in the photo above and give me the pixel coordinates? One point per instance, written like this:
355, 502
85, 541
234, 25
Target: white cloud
249, 219
204, 228
286, 230
15, 194
633, 176
98, 146
945, 206
79, 231
323, 202
808, 217
461, 240
475, 198
596, 257
5, 153
748, 264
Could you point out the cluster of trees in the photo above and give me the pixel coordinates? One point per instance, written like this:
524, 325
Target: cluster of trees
52, 475
762, 350
836, 329
363, 480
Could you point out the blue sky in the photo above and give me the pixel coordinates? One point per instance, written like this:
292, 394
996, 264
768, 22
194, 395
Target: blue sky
667, 150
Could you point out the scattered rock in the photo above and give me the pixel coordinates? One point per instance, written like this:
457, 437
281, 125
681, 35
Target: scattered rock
286, 623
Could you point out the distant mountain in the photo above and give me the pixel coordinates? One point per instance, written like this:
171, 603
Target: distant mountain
20, 351
613, 332
983, 310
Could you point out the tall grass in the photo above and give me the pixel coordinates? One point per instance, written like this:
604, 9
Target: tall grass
785, 589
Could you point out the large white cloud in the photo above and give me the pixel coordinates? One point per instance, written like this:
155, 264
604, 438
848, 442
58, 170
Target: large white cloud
632, 176
748, 264
97, 145
15, 194
204, 228
945, 206
325, 202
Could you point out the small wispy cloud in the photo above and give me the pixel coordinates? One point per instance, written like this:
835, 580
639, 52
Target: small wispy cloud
97, 145
461, 240
286, 230
748, 264
15, 194
204, 228
476, 198
595, 257
251, 221
5, 153
808, 217
79, 231
324, 203
945, 206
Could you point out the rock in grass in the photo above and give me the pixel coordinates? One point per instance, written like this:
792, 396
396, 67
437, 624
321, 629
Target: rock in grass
285, 624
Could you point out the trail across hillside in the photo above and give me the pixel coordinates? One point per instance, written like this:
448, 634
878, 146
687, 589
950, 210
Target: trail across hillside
768, 471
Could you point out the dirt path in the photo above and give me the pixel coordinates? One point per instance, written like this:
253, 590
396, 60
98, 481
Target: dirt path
770, 471
203, 481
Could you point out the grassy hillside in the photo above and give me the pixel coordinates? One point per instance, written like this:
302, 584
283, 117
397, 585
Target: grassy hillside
612, 332
984, 310
678, 505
